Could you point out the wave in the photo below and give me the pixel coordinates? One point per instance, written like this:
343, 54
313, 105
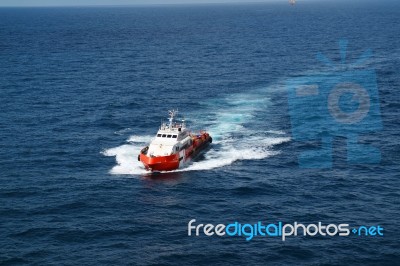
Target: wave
139, 139
123, 131
126, 158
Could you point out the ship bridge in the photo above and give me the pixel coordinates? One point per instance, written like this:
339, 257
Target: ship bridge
170, 137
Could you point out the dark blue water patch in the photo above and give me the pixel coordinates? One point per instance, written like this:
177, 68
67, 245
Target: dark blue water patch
74, 77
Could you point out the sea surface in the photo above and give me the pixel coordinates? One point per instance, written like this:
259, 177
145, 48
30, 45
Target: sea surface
83, 89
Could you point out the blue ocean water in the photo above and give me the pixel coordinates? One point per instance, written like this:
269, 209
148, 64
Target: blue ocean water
83, 89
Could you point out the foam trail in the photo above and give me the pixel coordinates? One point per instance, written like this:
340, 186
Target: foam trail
230, 129
253, 149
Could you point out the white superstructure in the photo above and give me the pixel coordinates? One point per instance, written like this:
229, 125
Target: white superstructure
171, 138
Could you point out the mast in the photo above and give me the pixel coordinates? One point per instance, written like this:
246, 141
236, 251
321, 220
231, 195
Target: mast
172, 114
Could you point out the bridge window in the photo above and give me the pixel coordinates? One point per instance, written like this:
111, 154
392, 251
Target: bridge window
169, 136
174, 136
164, 135
159, 135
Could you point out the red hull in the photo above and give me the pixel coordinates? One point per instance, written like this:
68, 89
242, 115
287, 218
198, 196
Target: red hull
174, 161
161, 163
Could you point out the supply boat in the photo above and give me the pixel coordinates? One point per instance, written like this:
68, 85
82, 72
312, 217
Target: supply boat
173, 147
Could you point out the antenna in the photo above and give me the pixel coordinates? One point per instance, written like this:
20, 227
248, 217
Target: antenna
172, 114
